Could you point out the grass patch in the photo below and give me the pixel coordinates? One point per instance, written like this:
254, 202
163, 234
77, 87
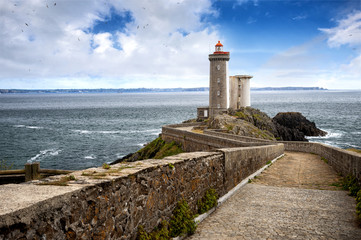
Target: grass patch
106, 166
63, 181
158, 149
350, 183
269, 162
171, 166
161, 232
358, 205
197, 131
229, 127
324, 159
208, 201
249, 180
354, 150
181, 224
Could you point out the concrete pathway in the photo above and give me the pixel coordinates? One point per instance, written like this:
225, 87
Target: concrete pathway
287, 201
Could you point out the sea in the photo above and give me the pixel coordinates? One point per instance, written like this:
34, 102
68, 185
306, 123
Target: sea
78, 131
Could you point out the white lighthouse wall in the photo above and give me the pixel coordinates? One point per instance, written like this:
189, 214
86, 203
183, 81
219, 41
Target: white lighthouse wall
245, 93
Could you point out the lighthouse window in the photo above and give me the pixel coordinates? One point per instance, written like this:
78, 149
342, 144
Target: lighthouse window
218, 80
218, 93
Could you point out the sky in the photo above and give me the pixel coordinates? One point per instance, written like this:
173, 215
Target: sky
64, 44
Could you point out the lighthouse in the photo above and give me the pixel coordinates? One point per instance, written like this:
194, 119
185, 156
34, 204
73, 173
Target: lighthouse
218, 80
223, 93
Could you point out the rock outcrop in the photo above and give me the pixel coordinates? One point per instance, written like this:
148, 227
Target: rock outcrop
251, 122
234, 125
296, 121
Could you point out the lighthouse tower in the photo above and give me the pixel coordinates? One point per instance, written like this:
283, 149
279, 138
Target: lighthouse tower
218, 80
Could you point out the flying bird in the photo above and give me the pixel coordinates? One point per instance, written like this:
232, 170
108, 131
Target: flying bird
54, 4
27, 24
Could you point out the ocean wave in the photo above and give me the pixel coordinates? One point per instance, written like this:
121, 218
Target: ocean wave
43, 154
330, 134
30, 127
99, 132
92, 156
352, 146
141, 144
152, 131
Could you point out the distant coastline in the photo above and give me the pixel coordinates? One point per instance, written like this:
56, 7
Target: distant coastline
146, 90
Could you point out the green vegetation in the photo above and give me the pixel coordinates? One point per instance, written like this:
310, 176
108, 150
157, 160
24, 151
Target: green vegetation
358, 205
158, 149
229, 127
208, 201
63, 181
171, 166
354, 150
4, 165
180, 224
241, 115
350, 183
324, 159
159, 233
249, 180
269, 162
106, 166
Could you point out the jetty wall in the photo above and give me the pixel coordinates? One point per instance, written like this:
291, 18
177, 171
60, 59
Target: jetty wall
343, 161
113, 203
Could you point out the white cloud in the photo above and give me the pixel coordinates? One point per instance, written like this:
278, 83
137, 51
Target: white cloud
43, 45
348, 31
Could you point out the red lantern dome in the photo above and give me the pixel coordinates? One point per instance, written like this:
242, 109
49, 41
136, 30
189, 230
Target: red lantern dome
219, 49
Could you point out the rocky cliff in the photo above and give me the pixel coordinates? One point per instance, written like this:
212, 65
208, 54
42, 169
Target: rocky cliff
251, 122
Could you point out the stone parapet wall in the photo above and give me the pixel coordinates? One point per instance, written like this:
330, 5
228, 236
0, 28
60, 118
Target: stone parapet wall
218, 133
242, 162
192, 141
111, 207
114, 204
343, 161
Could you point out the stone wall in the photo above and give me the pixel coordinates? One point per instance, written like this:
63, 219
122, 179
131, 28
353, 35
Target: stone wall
219, 133
242, 162
111, 204
192, 141
114, 206
343, 161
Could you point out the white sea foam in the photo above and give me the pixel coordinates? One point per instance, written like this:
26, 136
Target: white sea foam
92, 156
43, 154
99, 132
30, 127
141, 144
34, 127
330, 134
119, 155
151, 131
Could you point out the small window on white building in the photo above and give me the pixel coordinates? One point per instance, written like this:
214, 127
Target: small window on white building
218, 105
218, 80
205, 113
218, 93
